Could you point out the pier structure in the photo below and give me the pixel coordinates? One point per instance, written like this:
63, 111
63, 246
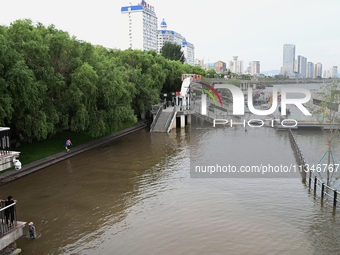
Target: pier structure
8, 158
187, 103
10, 229
214, 103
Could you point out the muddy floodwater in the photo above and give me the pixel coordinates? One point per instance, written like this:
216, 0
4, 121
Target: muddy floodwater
136, 196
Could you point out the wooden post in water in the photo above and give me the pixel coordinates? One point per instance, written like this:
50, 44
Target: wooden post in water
303, 172
315, 182
334, 199
310, 178
322, 192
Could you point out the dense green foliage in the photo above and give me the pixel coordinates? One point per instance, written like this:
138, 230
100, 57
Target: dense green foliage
51, 82
172, 51
54, 145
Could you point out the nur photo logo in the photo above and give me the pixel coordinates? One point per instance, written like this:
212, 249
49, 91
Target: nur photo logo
238, 102
238, 99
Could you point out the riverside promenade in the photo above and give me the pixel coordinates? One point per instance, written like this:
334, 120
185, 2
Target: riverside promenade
12, 175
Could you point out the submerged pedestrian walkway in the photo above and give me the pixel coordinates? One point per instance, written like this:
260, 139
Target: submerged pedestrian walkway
12, 175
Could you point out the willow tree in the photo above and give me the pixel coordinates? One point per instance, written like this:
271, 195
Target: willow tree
146, 70
173, 77
7, 60
115, 94
28, 75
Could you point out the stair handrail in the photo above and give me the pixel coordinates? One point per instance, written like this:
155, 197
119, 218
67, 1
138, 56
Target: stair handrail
170, 118
159, 111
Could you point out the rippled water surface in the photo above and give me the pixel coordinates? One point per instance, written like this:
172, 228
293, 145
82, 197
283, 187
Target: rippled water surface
135, 196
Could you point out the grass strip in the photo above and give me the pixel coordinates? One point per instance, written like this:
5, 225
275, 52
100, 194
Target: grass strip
30, 152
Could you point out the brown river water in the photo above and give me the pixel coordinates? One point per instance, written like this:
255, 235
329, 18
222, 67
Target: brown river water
136, 195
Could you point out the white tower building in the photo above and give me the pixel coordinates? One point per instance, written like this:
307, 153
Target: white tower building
238, 66
288, 60
301, 66
334, 72
310, 70
165, 35
318, 70
139, 27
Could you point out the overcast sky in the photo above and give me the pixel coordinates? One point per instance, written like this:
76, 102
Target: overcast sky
219, 29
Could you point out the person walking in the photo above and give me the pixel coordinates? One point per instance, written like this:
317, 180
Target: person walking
32, 231
68, 145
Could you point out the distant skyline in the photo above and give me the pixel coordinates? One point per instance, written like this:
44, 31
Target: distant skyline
251, 30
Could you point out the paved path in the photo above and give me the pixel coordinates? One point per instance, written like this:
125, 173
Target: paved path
12, 175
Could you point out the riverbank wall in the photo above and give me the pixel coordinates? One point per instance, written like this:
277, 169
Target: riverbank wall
12, 175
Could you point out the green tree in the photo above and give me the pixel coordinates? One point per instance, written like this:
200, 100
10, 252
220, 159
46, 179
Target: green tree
114, 97
172, 51
64, 55
173, 81
198, 70
28, 79
211, 73
146, 71
327, 113
81, 97
7, 60
50, 82
245, 76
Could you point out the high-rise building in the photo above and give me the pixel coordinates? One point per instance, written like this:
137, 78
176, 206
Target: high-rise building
296, 67
237, 65
230, 66
165, 35
310, 70
288, 60
240, 67
334, 72
330, 73
326, 74
139, 27
255, 67
189, 52
220, 66
301, 66
318, 70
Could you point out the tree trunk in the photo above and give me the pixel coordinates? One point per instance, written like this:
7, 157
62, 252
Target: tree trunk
328, 164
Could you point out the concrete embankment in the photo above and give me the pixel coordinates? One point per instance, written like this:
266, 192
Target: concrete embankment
12, 175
